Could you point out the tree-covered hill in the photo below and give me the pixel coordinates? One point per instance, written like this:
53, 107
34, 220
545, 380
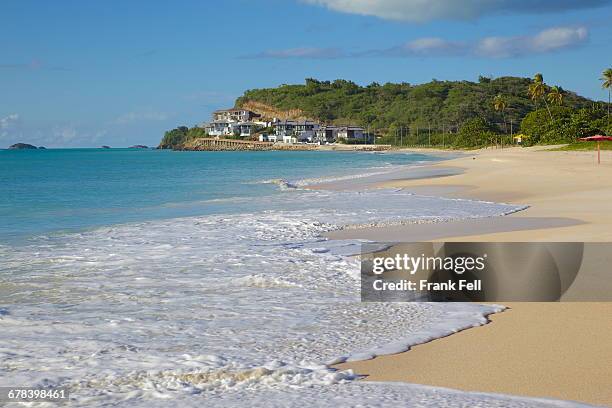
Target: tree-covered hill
439, 105
459, 114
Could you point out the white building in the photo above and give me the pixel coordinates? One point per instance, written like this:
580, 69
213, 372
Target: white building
302, 131
244, 128
289, 139
355, 133
218, 128
326, 134
235, 115
229, 128
350, 133
268, 138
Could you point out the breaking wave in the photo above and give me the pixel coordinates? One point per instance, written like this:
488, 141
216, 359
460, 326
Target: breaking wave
222, 310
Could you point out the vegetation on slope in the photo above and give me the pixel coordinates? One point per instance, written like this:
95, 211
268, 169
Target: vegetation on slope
177, 137
437, 105
440, 113
563, 125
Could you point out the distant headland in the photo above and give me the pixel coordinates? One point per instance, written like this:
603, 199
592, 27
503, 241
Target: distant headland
24, 146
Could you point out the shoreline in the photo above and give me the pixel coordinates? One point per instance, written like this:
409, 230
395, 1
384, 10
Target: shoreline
566, 185
173, 237
540, 350
272, 259
519, 352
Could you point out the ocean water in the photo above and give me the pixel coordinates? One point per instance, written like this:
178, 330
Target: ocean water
156, 278
57, 189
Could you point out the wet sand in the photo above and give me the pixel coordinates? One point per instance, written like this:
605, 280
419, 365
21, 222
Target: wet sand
547, 350
452, 229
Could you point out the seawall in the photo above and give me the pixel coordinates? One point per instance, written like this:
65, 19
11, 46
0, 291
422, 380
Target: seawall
213, 144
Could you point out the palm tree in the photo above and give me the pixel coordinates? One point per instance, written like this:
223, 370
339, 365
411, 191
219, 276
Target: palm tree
555, 96
537, 89
607, 84
533, 92
500, 105
538, 78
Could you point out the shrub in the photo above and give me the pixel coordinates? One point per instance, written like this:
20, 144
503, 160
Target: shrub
177, 137
475, 132
567, 125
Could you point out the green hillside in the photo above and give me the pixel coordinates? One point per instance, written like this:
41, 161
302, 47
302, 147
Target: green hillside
460, 114
440, 105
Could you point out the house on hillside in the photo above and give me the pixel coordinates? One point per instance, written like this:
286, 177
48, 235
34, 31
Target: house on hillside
234, 122
284, 127
355, 134
306, 130
244, 128
289, 139
326, 134
296, 131
228, 128
235, 115
268, 138
218, 128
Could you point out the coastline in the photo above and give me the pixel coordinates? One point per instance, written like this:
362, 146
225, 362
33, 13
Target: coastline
567, 188
546, 350
275, 286
149, 252
217, 144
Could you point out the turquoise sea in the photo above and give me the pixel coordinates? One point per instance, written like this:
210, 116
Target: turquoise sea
61, 189
145, 278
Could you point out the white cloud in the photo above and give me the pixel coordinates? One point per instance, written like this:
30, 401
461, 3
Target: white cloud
552, 39
302, 52
559, 37
65, 134
429, 46
427, 10
546, 41
8, 124
8, 120
140, 117
13, 129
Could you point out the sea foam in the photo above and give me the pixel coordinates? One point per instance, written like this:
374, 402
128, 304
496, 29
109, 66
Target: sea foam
223, 310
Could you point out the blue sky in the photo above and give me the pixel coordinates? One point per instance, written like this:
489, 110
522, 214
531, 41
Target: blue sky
84, 74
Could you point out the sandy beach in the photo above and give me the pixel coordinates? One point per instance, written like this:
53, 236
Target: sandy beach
547, 350
556, 185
